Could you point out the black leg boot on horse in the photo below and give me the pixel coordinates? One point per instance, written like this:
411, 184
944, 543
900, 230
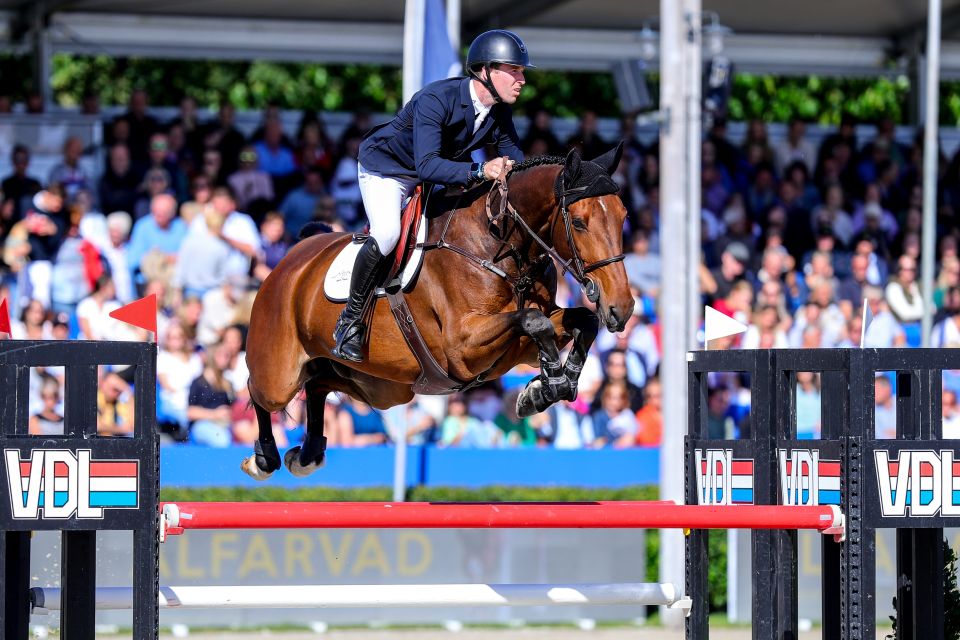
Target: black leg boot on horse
350, 331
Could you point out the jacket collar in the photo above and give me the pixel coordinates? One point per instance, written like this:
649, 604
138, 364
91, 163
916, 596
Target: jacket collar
465, 99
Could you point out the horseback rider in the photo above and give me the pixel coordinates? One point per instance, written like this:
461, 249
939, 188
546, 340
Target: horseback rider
430, 140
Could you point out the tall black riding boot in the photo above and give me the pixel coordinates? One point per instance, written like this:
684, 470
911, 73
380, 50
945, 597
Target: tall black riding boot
350, 330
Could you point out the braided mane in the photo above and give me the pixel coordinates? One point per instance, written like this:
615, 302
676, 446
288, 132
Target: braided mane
537, 161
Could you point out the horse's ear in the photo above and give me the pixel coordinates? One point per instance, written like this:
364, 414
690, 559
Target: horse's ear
571, 167
610, 159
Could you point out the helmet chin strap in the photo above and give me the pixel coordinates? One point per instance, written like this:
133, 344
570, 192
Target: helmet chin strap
488, 83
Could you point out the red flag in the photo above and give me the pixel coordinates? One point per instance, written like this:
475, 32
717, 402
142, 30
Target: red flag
140, 313
4, 316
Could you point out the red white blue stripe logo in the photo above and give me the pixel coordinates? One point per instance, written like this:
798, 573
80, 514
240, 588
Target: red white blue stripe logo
62, 484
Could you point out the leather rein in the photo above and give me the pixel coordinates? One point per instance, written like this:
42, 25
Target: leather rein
528, 271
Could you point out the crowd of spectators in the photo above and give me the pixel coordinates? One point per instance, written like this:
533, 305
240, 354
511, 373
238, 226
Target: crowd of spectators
794, 236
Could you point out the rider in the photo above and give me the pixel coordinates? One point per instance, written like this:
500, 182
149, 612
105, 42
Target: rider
430, 140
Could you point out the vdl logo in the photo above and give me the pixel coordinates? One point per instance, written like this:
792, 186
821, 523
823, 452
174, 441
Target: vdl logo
721, 479
925, 482
61, 485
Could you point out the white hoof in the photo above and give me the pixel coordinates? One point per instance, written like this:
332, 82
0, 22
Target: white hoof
526, 405
291, 460
249, 467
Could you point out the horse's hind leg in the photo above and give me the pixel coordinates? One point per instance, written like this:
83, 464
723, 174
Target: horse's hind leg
266, 457
310, 456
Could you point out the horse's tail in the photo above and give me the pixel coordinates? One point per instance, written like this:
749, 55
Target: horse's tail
313, 228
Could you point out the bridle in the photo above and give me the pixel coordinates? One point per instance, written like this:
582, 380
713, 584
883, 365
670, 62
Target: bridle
529, 272
575, 266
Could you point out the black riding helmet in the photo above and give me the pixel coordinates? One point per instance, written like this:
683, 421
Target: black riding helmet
496, 47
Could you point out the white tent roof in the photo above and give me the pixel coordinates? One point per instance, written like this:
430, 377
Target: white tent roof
862, 37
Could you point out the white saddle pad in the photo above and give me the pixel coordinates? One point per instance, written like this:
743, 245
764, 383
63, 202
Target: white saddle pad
336, 285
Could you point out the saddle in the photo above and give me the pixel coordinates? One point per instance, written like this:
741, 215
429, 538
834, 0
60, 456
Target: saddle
409, 226
406, 257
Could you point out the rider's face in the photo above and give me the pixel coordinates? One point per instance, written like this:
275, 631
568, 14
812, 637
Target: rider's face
508, 80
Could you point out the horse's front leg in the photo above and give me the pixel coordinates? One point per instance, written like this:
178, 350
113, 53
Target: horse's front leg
557, 381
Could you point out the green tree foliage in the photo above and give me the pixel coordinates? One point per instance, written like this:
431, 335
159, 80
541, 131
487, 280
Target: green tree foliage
253, 85
818, 99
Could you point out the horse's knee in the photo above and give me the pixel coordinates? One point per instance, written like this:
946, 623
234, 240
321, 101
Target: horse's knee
534, 323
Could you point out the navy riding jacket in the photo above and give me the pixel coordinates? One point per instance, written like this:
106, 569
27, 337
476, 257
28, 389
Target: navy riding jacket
432, 136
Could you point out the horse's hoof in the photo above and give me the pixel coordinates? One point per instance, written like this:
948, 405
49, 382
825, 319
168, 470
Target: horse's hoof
250, 467
531, 401
291, 459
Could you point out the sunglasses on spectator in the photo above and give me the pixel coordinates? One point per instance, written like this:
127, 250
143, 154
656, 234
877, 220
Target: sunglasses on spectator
248, 157
158, 146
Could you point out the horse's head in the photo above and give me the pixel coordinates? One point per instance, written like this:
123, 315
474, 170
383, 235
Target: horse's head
588, 233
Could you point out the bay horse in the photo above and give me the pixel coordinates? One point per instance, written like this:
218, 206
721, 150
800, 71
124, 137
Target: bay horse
483, 301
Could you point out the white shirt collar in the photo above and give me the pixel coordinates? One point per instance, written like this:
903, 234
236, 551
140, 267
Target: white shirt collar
479, 110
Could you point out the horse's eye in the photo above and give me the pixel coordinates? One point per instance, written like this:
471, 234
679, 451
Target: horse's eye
579, 224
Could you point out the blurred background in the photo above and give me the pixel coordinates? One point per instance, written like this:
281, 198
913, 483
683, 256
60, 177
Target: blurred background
788, 164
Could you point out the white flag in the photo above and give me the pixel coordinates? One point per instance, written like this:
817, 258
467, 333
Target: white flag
720, 325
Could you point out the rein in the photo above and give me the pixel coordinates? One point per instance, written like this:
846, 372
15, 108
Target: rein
528, 274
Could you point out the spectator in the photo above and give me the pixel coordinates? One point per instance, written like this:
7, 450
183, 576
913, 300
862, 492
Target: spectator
223, 138
49, 420
251, 185
808, 405
738, 303
45, 228
202, 258
299, 205
235, 340
884, 331
93, 312
209, 401
115, 408
650, 417
460, 429
563, 426
189, 122
766, 330
119, 184
345, 185
273, 245
733, 268
517, 431
587, 138
614, 424
220, 308
358, 425
719, 423
141, 124
18, 186
276, 158
156, 181
903, 293
161, 157
885, 409
155, 241
643, 267
831, 215
76, 266
950, 413
200, 192
32, 324
69, 174
115, 253
541, 129
946, 332
177, 367
214, 168
315, 149
615, 373
236, 229
850, 292
795, 148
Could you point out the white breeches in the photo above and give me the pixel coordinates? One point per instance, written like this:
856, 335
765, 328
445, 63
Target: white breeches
383, 198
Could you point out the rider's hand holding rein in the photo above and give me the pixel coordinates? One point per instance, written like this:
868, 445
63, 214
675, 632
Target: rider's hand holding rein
492, 169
